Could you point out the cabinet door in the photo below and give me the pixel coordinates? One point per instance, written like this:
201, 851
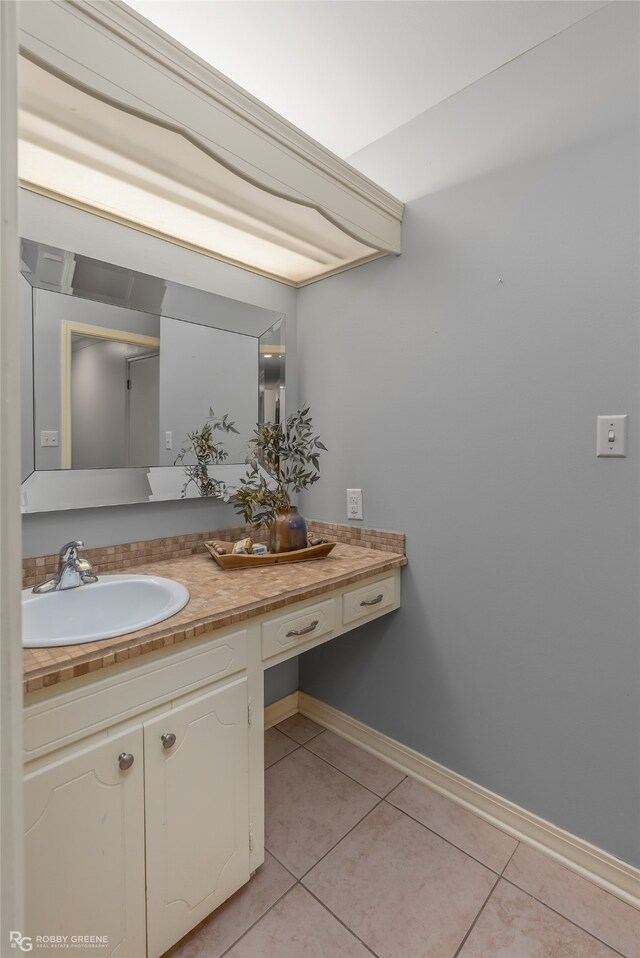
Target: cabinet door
84, 848
197, 807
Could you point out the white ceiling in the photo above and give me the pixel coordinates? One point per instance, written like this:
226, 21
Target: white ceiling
347, 72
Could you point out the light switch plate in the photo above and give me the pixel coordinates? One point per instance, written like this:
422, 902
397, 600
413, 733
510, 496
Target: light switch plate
49, 437
611, 437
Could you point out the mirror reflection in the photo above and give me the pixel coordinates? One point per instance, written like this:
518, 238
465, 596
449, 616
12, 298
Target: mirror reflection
113, 387
119, 367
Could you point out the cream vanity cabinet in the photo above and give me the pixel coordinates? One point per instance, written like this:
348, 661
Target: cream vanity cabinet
116, 801
197, 810
84, 849
144, 789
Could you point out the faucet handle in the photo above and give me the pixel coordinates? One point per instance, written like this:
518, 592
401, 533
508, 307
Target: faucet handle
69, 550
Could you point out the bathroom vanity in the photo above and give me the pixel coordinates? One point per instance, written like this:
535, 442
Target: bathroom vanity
144, 775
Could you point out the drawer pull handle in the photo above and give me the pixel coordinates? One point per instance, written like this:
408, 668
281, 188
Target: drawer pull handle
168, 739
375, 601
125, 760
305, 631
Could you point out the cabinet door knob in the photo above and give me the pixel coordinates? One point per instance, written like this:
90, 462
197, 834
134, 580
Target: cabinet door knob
168, 739
125, 760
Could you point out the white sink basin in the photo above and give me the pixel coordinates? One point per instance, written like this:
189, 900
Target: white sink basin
114, 605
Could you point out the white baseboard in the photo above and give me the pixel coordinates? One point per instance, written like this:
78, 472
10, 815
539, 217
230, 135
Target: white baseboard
594, 864
281, 710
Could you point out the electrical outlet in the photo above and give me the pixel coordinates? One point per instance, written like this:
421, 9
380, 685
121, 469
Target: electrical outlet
49, 437
354, 504
168, 440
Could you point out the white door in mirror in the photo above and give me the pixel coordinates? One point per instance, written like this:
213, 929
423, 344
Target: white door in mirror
114, 605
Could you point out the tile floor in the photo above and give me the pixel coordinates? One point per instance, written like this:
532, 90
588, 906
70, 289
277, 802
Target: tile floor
364, 862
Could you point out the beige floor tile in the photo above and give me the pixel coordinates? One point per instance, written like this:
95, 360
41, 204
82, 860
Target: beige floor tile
309, 806
401, 889
477, 838
299, 927
514, 925
218, 932
276, 746
299, 728
355, 762
607, 918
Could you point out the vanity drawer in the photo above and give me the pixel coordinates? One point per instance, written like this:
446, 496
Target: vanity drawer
92, 707
359, 603
296, 628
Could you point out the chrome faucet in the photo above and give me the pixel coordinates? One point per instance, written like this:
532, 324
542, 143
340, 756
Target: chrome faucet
72, 570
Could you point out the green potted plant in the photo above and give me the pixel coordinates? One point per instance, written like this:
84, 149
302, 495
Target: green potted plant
203, 447
289, 456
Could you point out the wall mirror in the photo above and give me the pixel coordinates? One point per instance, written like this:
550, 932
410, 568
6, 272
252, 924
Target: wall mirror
118, 367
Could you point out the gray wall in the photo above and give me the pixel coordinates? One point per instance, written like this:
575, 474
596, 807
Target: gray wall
200, 368
465, 408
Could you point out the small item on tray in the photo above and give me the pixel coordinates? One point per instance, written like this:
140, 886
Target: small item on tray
316, 541
243, 547
220, 550
259, 549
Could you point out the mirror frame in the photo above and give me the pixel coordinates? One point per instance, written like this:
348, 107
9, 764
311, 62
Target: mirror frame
47, 488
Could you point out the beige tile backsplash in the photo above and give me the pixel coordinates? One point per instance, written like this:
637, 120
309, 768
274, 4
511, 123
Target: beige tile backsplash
131, 554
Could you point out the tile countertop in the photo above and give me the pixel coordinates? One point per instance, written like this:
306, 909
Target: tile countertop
218, 598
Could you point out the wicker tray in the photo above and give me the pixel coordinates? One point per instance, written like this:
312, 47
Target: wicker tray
230, 561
